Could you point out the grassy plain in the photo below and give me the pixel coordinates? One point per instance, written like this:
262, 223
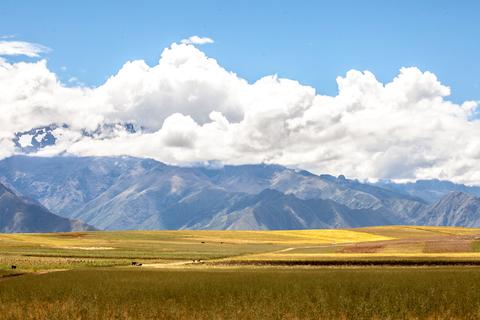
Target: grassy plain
307, 274
35, 252
245, 293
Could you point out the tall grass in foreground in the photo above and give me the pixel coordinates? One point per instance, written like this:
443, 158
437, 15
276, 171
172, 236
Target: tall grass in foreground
261, 293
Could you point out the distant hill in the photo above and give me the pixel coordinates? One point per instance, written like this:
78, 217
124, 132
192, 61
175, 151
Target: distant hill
273, 210
19, 214
130, 193
429, 190
453, 209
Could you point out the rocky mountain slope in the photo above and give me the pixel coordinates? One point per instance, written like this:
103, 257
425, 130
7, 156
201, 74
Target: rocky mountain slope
131, 193
18, 214
429, 190
454, 209
272, 210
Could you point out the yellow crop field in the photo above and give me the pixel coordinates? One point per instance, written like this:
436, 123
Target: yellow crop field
304, 274
33, 252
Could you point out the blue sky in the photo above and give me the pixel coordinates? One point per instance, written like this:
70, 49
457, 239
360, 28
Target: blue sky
310, 41
187, 109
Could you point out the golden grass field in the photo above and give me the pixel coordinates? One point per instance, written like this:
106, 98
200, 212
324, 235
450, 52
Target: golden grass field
397, 272
35, 252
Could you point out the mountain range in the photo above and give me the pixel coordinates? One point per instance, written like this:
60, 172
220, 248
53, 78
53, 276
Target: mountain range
18, 214
114, 193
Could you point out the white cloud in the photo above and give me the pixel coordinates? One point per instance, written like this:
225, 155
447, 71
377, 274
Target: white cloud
21, 48
193, 110
26, 140
197, 40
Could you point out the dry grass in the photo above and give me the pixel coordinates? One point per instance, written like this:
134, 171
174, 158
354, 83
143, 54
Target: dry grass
417, 232
448, 245
363, 248
33, 252
272, 293
227, 287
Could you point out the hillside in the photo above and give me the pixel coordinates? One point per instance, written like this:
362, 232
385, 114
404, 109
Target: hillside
125, 193
19, 214
454, 209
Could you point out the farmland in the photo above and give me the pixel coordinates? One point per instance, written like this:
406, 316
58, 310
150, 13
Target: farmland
69, 250
36, 252
381, 272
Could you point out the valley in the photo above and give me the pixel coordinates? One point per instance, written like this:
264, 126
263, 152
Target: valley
405, 272
389, 245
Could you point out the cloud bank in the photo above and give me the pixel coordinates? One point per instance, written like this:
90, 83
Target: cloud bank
21, 48
188, 109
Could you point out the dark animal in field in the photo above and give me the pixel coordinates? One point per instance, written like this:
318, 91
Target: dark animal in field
139, 264
203, 241
134, 263
14, 267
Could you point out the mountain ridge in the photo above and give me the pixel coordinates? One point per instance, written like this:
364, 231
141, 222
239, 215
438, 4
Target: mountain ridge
133, 193
20, 214
454, 209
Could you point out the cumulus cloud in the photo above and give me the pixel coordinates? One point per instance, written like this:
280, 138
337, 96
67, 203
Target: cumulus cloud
22, 48
188, 109
197, 40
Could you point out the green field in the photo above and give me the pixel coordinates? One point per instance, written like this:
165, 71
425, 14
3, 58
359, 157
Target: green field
369, 273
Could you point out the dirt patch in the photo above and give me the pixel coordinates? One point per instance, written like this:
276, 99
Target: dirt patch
448, 245
362, 248
72, 234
